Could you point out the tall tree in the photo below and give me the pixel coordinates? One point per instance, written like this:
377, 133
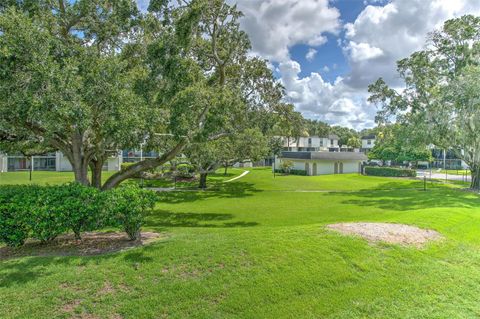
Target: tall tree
208, 157
90, 77
64, 83
396, 143
440, 100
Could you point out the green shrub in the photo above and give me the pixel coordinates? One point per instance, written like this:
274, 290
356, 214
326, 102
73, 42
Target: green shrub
389, 172
13, 227
82, 209
45, 212
185, 170
127, 207
286, 166
45, 216
292, 172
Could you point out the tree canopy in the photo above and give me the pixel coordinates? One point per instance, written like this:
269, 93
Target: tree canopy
439, 103
91, 77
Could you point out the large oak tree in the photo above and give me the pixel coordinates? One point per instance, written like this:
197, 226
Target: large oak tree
440, 101
90, 77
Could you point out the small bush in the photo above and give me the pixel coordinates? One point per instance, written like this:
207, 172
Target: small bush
82, 209
185, 170
389, 172
286, 166
292, 172
45, 216
127, 207
13, 227
45, 212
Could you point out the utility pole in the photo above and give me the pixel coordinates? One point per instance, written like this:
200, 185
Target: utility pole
31, 168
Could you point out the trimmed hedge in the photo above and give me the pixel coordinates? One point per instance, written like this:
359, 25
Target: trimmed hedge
389, 172
45, 212
292, 172
185, 170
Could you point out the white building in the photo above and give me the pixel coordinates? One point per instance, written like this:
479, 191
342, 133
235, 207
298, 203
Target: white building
49, 162
323, 163
368, 142
311, 144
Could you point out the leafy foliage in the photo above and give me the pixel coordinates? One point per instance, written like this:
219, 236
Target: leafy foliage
45, 212
439, 103
389, 172
395, 143
126, 207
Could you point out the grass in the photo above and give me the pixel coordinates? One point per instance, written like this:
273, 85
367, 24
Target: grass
40, 177
454, 171
256, 248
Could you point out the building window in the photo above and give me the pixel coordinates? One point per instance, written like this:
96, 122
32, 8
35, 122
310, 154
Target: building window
331, 142
369, 142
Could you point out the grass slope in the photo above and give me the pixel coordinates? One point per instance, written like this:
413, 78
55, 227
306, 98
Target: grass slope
256, 248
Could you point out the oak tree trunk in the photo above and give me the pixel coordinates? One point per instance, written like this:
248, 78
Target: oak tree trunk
96, 168
203, 181
475, 172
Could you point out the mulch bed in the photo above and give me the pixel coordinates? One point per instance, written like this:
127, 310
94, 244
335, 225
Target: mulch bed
91, 244
387, 232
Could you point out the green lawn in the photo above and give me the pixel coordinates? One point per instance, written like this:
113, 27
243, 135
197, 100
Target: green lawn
454, 171
256, 248
40, 177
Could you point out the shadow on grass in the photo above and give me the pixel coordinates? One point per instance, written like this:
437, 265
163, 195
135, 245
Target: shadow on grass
402, 199
231, 190
163, 218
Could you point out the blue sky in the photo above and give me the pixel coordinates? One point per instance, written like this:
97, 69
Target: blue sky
327, 52
329, 61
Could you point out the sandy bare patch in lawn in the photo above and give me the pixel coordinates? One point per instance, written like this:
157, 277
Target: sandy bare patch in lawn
386, 232
91, 244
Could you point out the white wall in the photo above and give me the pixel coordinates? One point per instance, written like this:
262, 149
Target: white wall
366, 145
324, 167
3, 163
317, 142
61, 163
115, 163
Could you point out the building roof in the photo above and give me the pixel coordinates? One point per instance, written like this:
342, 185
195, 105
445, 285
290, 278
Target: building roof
333, 137
335, 156
369, 137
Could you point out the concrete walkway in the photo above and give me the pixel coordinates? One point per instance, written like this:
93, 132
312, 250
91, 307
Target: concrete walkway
436, 175
238, 177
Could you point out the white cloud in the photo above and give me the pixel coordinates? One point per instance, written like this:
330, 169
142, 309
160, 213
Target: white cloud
274, 26
382, 35
310, 56
325, 68
333, 103
359, 52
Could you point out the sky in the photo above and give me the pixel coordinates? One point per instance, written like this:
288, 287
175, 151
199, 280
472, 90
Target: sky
327, 52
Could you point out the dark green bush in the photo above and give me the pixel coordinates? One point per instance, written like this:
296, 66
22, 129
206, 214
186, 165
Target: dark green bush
13, 227
389, 172
45, 212
82, 209
185, 170
292, 172
127, 207
45, 216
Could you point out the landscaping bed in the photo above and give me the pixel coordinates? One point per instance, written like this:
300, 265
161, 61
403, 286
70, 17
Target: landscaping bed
92, 243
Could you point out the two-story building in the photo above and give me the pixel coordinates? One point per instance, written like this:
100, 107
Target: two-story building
324, 163
368, 142
49, 162
311, 144
320, 155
